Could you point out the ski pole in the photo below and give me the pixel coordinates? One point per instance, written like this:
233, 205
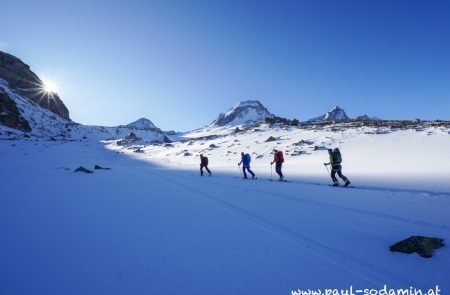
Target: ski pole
327, 169
239, 168
271, 169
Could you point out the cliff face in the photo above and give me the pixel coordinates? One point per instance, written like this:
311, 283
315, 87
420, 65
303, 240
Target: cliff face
22, 80
10, 114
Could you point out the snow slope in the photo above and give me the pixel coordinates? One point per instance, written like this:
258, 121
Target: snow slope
148, 228
371, 156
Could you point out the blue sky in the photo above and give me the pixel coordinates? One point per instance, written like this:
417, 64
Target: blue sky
180, 63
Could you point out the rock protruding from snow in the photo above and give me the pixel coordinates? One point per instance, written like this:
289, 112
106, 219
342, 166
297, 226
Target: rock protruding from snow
335, 113
270, 139
424, 246
82, 169
245, 112
142, 124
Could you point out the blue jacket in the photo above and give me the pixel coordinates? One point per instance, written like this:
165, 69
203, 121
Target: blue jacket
245, 159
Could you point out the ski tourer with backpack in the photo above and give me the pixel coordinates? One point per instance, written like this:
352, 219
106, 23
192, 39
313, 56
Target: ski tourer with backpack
204, 164
245, 161
278, 159
336, 167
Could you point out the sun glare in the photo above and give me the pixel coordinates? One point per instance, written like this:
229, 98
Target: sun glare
50, 87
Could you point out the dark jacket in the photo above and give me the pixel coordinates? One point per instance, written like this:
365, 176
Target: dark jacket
203, 161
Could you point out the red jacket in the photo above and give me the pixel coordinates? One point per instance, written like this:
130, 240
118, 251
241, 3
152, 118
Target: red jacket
277, 159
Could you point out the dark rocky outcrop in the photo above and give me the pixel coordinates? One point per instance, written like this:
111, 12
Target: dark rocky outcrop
25, 82
10, 115
82, 169
97, 167
424, 246
282, 121
270, 139
130, 138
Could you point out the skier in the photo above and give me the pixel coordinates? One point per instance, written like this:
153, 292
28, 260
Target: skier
204, 163
245, 161
278, 159
335, 162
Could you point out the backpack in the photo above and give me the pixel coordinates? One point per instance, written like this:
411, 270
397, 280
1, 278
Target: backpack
205, 161
280, 156
337, 158
247, 159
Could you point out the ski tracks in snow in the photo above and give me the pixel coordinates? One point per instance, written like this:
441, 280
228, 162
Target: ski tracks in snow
366, 270
322, 204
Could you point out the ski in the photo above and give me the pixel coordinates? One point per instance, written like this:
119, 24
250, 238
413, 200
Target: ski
277, 180
341, 186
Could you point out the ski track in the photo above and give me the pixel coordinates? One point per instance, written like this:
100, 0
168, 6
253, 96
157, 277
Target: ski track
322, 204
364, 269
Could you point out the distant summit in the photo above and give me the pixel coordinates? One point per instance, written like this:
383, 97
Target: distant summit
142, 124
335, 113
245, 112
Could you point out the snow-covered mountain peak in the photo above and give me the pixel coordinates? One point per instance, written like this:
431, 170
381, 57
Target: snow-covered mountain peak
142, 124
244, 112
336, 113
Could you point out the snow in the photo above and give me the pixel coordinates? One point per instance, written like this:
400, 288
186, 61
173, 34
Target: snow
406, 158
142, 123
244, 112
151, 225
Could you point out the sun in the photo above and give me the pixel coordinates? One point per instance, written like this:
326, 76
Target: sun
49, 86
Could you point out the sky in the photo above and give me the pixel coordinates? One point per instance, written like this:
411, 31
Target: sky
181, 63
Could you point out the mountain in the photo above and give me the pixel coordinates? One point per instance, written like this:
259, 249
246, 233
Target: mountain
21, 118
26, 110
245, 112
22, 115
23, 81
335, 113
142, 124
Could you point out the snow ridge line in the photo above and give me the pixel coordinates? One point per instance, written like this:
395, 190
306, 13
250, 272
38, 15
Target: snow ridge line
352, 263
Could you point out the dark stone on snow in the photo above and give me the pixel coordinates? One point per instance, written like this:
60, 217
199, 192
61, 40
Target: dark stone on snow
271, 138
82, 169
166, 139
424, 246
131, 137
101, 168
